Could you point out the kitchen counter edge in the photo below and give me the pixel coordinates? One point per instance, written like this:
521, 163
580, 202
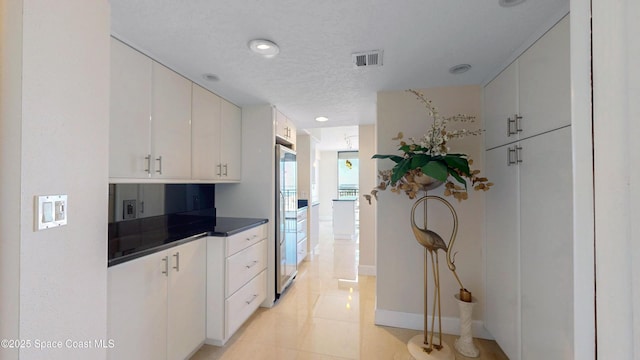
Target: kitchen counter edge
248, 224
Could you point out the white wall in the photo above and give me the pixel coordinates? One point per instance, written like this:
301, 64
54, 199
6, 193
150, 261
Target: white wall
367, 148
399, 257
303, 158
582, 146
616, 90
328, 183
10, 177
57, 133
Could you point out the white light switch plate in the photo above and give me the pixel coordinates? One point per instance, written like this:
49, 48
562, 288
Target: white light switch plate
50, 211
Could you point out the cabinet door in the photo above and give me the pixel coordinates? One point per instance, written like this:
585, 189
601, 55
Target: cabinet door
187, 288
546, 246
171, 124
130, 111
502, 305
206, 138
137, 308
231, 142
545, 87
281, 125
500, 104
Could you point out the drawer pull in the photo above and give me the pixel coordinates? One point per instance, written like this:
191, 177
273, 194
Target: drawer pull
252, 264
166, 266
252, 299
251, 238
177, 256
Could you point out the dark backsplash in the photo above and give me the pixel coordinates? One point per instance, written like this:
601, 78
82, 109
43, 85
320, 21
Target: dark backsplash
136, 201
143, 216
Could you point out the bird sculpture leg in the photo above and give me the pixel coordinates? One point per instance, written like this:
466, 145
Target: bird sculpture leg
436, 301
439, 346
428, 342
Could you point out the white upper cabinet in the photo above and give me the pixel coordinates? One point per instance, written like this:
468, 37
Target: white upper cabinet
216, 137
130, 124
171, 124
285, 129
501, 107
532, 95
205, 130
545, 83
150, 125
231, 142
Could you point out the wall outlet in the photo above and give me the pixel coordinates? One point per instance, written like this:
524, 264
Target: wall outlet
50, 211
128, 209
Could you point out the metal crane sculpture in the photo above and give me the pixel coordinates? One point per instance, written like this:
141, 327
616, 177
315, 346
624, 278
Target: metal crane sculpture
433, 242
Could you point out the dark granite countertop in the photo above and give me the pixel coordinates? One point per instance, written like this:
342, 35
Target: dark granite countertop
132, 239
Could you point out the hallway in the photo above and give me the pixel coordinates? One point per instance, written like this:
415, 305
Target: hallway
327, 314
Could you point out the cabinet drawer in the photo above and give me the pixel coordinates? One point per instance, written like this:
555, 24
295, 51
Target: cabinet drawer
302, 215
244, 265
244, 302
302, 250
245, 239
302, 230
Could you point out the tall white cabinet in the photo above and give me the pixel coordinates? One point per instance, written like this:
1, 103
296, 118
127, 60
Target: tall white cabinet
529, 245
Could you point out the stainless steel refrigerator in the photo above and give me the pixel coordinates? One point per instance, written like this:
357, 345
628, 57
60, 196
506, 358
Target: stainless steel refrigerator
286, 221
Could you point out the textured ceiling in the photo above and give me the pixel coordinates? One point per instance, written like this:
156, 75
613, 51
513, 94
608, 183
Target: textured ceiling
313, 74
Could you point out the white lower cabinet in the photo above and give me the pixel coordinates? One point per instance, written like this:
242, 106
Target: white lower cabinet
236, 281
301, 235
156, 304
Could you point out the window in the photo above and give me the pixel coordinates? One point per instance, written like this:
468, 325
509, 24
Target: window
348, 173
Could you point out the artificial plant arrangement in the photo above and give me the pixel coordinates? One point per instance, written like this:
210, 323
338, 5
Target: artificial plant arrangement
426, 162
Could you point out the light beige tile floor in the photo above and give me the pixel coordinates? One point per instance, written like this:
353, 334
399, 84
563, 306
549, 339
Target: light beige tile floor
326, 314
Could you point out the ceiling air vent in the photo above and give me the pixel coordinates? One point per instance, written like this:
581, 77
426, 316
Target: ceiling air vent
367, 58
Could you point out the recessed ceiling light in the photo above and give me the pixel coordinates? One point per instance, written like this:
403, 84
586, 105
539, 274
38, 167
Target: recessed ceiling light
459, 69
211, 77
507, 3
322, 118
263, 47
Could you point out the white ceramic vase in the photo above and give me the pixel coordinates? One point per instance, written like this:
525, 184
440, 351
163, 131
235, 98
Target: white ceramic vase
464, 344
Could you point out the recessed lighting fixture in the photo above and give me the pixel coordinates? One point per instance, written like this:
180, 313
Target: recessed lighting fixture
459, 69
508, 3
263, 47
211, 77
322, 119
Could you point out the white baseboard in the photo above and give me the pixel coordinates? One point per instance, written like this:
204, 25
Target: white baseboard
450, 325
369, 270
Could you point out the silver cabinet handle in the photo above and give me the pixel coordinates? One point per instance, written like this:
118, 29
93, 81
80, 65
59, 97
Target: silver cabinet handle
254, 263
513, 155
159, 160
177, 256
148, 169
516, 122
166, 266
253, 298
226, 170
219, 166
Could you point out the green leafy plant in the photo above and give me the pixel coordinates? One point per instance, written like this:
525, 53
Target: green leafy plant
429, 155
